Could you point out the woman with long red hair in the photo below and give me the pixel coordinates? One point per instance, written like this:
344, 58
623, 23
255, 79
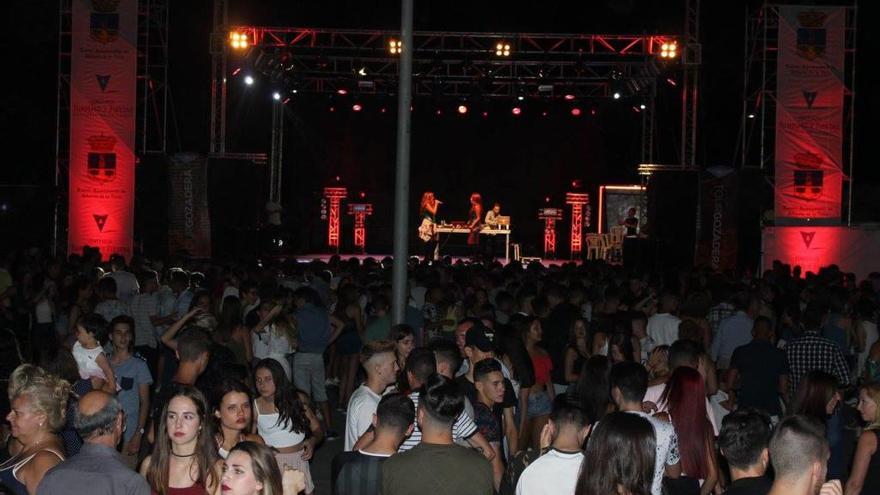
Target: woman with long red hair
475, 218
428, 213
685, 397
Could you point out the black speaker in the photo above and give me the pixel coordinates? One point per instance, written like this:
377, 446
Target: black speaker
672, 210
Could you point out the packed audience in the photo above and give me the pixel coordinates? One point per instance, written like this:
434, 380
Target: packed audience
181, 376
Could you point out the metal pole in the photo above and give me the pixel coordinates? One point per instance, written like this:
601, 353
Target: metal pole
852, 112
401, 186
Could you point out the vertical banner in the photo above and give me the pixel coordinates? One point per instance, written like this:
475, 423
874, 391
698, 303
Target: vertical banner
189, 223
717, 240
103, 77
809, 113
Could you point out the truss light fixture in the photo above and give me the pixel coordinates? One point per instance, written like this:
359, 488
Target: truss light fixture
576, 112
249, 80
239, 41
502, 49
362, 71
462, 109
669, 50
516, 111
357, 107
616, 95
276, 96
395, 46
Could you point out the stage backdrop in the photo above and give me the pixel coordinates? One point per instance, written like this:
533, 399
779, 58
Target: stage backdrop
103, 72
189, 225
809, 114
852, 249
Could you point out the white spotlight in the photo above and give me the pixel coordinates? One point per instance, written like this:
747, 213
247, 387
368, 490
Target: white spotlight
616, 95
248, 80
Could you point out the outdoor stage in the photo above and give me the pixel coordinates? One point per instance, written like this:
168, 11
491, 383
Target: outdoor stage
308, 258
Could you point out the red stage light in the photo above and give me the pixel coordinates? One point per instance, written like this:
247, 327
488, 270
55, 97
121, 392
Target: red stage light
383, 110
332, 109
547, 199
544, 113
516, 110
593, 111
671, 81
342, 91
576, 111
485, 114
362, 194
357, 107
462, 109
569, 97
236, 70
439, 112
337, 178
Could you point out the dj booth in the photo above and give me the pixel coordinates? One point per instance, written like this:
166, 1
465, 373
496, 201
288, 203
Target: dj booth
460, 228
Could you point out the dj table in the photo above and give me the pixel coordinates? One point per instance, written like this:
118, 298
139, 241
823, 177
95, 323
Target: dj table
485, 230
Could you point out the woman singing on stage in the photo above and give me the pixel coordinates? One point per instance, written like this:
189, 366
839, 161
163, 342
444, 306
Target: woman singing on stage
475, 216
428, 212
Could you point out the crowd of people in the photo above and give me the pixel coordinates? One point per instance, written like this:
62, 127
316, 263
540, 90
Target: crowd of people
184, 376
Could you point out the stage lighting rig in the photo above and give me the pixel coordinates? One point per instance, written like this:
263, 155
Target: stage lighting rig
239, 41
502, 49
669, 50
395, 47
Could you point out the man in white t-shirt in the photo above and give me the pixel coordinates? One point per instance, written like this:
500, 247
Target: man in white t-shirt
126, 283
380, 363
663, 326
628, 382
557, 471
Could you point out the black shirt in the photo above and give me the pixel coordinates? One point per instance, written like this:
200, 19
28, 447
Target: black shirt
356, 473
750, 486
760, 364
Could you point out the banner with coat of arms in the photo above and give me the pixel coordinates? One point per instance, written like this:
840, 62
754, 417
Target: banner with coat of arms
809, 113
103, 78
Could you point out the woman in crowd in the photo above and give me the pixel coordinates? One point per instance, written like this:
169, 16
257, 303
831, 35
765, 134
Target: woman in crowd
349, 319
284, 418
593, 390
404, 341
59, 361
232, 416
80, 303
578, 350
38, 402
539, 398
658, 365
232, 333
184, 458
620, 348
865, 475
134, 380
274, 336
619, 458
817, 397
250, 469
685, 397
511, 350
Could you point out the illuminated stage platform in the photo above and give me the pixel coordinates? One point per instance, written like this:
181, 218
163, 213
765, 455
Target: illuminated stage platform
308, 258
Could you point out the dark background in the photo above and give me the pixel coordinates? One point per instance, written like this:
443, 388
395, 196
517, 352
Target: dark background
517, 161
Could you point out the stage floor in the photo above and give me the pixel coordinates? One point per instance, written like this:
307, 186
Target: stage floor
307, 258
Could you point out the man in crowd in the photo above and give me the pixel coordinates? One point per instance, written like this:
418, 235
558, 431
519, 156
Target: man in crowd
489, 387
663, 326
436, 465
735, 330
811, 352
380, 363
380, 327
761, 369
97, 468
799, 453
313, 323
145, 311
359, 472
628, 382
110, 306
556, 327
556, 471
744, 440
126, 283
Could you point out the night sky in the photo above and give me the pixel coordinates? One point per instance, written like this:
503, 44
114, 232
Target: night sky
517, 162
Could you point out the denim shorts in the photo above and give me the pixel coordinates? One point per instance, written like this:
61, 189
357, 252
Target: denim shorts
539, 404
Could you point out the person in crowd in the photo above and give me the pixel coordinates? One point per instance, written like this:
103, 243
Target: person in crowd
744, 442
126, 283
735, 330
619, 458
232, 333
628, 384
183, 461
658, 365
315, 334
147, 319
38, 401
663, 326
761, 369
818, 397
555, 327
620, 348
403, 337
110, 306
540, 395
684, 397
592, 390
865, 474
557, 470
250, 469
348, 317
273, 337
578, 350
380, 364
134, 380
490, 388
80, 303
91, 334
99, 419
285, 419
379, 327
811, 352
359, 472
799, 453
233, 418
436, 465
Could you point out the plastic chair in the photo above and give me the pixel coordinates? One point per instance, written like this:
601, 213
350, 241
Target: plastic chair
594, 246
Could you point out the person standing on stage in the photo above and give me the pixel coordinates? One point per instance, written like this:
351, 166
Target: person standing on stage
428, 212
492, 216
475, 215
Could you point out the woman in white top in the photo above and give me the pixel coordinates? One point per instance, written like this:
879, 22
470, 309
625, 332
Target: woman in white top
232, 416
285, 419
274, 336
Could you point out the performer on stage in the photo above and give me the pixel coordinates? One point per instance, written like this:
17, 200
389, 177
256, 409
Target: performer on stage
475, 216
492, 216
631, 222
428, 212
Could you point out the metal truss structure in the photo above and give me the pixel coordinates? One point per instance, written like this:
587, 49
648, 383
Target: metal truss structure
758, 130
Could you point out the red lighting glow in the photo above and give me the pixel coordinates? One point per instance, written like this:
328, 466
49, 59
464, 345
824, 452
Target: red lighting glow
671, 81
383, 110
547, 199
332, 109
569, 97
357, 107
439, 112
485, 114
576, 111
342, 91
544, 113
516, 110
462, 109
362, 194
